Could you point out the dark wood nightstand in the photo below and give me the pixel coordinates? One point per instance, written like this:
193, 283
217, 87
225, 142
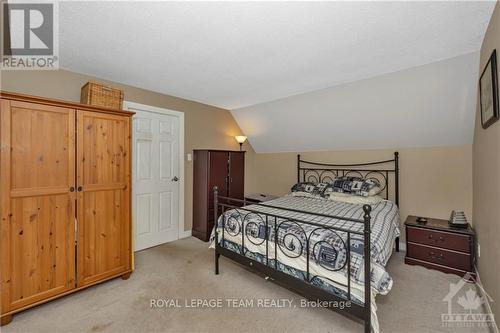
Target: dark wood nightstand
436, 245
259, 197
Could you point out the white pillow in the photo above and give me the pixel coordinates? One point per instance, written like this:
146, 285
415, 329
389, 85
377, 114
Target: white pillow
374, 191
355, 199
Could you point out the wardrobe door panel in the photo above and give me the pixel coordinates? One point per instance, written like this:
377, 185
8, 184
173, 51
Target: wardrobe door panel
38, 207
42, 147
104, 230
219, 176
42, 245
103, 180
237, 175
218, 173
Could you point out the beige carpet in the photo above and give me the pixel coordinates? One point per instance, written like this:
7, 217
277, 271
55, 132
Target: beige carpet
184, 270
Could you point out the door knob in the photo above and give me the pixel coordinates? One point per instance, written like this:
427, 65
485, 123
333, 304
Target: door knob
175, 179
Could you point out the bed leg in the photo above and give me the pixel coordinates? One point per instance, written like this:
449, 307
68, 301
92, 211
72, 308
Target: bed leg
217, 255
366, 249
397, 244
368, 326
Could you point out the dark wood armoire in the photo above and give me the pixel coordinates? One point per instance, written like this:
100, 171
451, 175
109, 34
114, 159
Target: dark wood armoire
222, 168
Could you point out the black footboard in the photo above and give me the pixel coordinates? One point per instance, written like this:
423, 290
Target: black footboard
265, 233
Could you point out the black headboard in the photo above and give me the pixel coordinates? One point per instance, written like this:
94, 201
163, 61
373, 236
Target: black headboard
316, 172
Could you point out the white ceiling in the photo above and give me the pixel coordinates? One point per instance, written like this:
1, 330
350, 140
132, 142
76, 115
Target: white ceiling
244, 53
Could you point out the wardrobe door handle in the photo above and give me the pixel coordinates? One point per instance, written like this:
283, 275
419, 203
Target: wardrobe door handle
72, 189
80, 188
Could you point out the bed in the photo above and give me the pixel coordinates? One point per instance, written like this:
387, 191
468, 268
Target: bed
314, 245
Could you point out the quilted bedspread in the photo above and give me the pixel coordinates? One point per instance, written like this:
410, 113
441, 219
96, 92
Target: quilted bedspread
328, 257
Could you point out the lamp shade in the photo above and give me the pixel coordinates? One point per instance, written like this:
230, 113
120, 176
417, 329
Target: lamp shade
240, 138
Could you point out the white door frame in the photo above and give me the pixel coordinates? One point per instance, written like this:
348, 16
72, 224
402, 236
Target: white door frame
132, 106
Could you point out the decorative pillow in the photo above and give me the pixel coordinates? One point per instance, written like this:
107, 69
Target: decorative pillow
319, 188
354, 185
303, 187
310, 188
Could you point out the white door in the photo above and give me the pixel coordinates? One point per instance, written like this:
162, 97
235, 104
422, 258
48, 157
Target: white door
156, 176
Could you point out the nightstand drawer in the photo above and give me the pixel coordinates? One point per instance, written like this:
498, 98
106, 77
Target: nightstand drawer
447, 240
435, 255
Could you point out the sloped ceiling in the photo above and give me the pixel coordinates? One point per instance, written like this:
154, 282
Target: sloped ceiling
429, 105
236, 54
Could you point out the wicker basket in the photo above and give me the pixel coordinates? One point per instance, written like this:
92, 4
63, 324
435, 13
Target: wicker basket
95, 93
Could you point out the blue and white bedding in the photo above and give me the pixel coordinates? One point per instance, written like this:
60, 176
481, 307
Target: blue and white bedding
327, 249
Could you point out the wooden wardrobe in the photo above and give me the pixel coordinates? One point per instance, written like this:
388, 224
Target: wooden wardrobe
65, 199
221, 168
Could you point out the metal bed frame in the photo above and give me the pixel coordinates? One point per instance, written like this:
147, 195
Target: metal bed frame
311, 172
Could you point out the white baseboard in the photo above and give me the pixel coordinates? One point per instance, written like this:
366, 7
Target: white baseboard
487, 305
185, 234
402, 246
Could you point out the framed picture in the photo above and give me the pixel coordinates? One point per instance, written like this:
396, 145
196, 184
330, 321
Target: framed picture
488, 92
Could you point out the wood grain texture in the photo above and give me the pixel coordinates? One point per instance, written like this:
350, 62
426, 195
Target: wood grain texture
42, 248
5, 272
41, 172
38, 210
5, 320
42, 147
103, 146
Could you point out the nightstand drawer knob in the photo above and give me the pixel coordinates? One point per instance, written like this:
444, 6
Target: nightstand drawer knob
440, 239
432, 255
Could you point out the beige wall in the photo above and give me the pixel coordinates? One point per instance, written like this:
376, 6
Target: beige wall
486, 176
205, 126
433, 181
